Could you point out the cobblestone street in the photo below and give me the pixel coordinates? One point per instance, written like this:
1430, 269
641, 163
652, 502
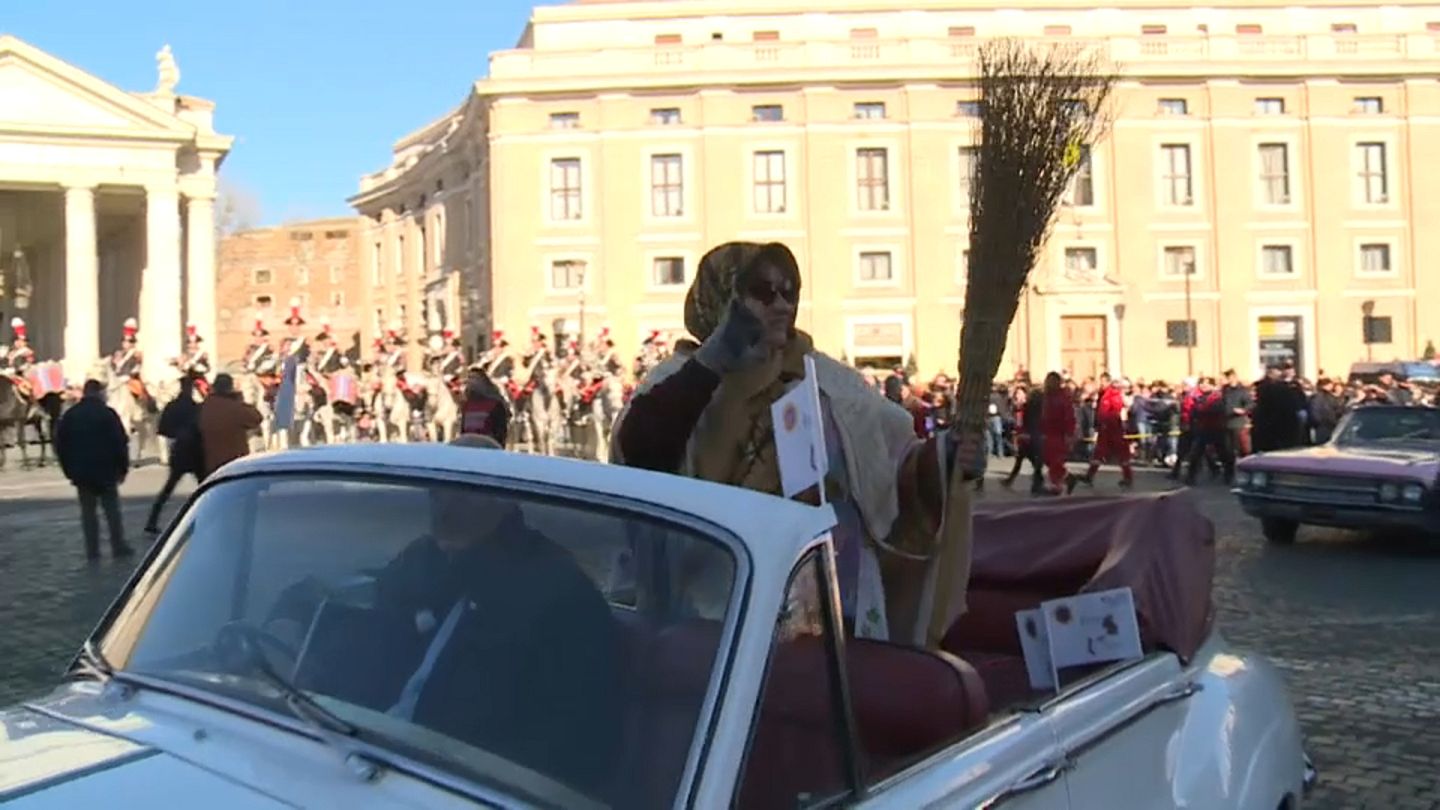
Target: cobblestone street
1353, 621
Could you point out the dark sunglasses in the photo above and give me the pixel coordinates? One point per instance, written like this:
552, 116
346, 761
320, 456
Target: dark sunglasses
766, 293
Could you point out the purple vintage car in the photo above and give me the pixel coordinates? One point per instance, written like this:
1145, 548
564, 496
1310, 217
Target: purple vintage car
1380, 471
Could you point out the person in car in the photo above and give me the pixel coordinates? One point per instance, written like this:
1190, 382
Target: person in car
706, 413
513, 648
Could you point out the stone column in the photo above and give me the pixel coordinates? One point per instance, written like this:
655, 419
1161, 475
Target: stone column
82, 283
200, 265
160, 321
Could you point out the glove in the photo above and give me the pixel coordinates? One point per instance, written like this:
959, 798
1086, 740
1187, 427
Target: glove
736, 344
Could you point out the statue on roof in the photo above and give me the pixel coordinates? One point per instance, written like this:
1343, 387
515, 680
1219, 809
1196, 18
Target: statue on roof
168, 70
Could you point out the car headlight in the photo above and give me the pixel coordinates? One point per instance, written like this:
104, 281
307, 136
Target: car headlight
1412, 493
1389, 492
1242, 478
1259, 479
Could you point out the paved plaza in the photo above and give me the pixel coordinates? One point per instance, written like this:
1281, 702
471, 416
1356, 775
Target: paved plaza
1354, 622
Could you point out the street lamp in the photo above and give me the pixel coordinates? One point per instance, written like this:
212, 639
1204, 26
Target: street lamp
1367, 309
1119, 340
1189, 270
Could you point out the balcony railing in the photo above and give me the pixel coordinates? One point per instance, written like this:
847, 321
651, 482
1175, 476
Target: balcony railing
1131, 53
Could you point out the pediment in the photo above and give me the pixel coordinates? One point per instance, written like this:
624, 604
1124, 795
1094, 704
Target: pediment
39, 92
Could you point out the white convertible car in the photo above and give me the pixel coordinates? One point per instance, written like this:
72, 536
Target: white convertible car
435, 626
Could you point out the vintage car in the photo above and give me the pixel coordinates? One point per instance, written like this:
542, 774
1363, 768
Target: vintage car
440, 626
1380, 470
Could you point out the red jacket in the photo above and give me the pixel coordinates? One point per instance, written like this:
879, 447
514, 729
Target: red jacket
1059, 416
1108, 411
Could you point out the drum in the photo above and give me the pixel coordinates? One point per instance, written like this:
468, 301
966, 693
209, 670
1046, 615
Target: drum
343, 388
47, 378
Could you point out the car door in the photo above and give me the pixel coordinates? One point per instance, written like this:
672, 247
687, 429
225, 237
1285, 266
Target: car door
1118, 731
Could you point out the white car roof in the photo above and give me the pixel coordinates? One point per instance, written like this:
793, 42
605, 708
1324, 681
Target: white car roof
773, 529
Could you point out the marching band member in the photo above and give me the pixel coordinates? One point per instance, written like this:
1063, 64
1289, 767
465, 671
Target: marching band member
125, 362
395, 359
497, 362
195, 362
260, 355
330, 359
295, 344
19, 357
452, 363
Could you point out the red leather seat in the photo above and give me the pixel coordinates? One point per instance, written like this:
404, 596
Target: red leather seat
988, 623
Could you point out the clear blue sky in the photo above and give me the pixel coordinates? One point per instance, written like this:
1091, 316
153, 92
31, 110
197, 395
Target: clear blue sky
314, 91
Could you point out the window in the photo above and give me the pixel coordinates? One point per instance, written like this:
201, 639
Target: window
968, 109
669, 271
1173, 106
1175, 183
962, 31
1277, 260
1082, 264
337, 234
1374, 182
969, 162
873, 179
400, 256
766, 36
801, 662
1375, 259
375, 270
1153, 30
767, 112
337, 274
667, 39
1249, 29
264, 302
1269, 106
302, 236
1180, 334
261, 277
567, 274
769, 179
1375, 329
1343, 28
875, 267
869, 109
565, 120
1179, 261
1275, 173
1081, 191
1057, 30
665, 116
302, 275
667, 186
565, 189
337, 298
1369, 105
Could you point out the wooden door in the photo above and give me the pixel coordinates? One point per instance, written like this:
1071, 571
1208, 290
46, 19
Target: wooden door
1082, 346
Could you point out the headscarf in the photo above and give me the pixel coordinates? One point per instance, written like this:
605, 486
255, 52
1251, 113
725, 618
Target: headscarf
720, 270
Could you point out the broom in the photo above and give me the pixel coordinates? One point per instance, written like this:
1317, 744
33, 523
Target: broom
1039, 108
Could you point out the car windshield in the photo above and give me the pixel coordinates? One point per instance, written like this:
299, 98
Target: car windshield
536, 645
1390, 426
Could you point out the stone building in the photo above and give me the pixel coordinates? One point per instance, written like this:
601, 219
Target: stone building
1259, 198
106, 208
315, 264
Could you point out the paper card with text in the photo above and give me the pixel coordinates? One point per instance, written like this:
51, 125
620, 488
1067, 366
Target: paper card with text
1035, 644
1092, 628
800, 436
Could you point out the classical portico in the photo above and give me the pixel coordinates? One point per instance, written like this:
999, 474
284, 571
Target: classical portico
106, 209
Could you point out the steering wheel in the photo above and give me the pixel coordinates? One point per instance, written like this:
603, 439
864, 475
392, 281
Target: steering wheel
240, 647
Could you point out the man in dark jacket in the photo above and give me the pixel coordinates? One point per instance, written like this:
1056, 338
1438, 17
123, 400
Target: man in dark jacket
94, 453
1277, 419
1326, 408
1238, 403
1208, 418
180, 423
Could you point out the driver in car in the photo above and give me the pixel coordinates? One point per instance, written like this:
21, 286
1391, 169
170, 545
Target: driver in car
515, 648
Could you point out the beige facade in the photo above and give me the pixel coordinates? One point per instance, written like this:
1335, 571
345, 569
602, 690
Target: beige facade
1282, 159
313, 264
424, 247
106, 208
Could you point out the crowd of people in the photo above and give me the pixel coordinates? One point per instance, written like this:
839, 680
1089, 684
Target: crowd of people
1200, 424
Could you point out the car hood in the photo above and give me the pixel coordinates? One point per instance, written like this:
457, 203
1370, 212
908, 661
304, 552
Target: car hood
50, 762
1389, 462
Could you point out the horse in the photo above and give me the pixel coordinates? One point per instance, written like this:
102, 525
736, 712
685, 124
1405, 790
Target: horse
605, 408
44, 416
395, 409
138, 414
443, 419
14, 414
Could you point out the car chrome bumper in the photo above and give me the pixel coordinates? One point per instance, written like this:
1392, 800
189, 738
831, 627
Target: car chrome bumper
1262, 505
1311, 776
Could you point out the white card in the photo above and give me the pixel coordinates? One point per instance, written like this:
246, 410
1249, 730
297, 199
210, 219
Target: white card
1092, 628
1035, 643
800, 436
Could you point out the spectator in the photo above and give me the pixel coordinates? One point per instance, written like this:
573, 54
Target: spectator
1164, 420
94, 453
484, 412
1207, 419
225, 424
1326, 406
1277, 415
999, 413
1029, 439
180, 424
1238, 403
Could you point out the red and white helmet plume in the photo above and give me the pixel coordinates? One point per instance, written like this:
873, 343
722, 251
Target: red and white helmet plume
18, 326
130, 327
